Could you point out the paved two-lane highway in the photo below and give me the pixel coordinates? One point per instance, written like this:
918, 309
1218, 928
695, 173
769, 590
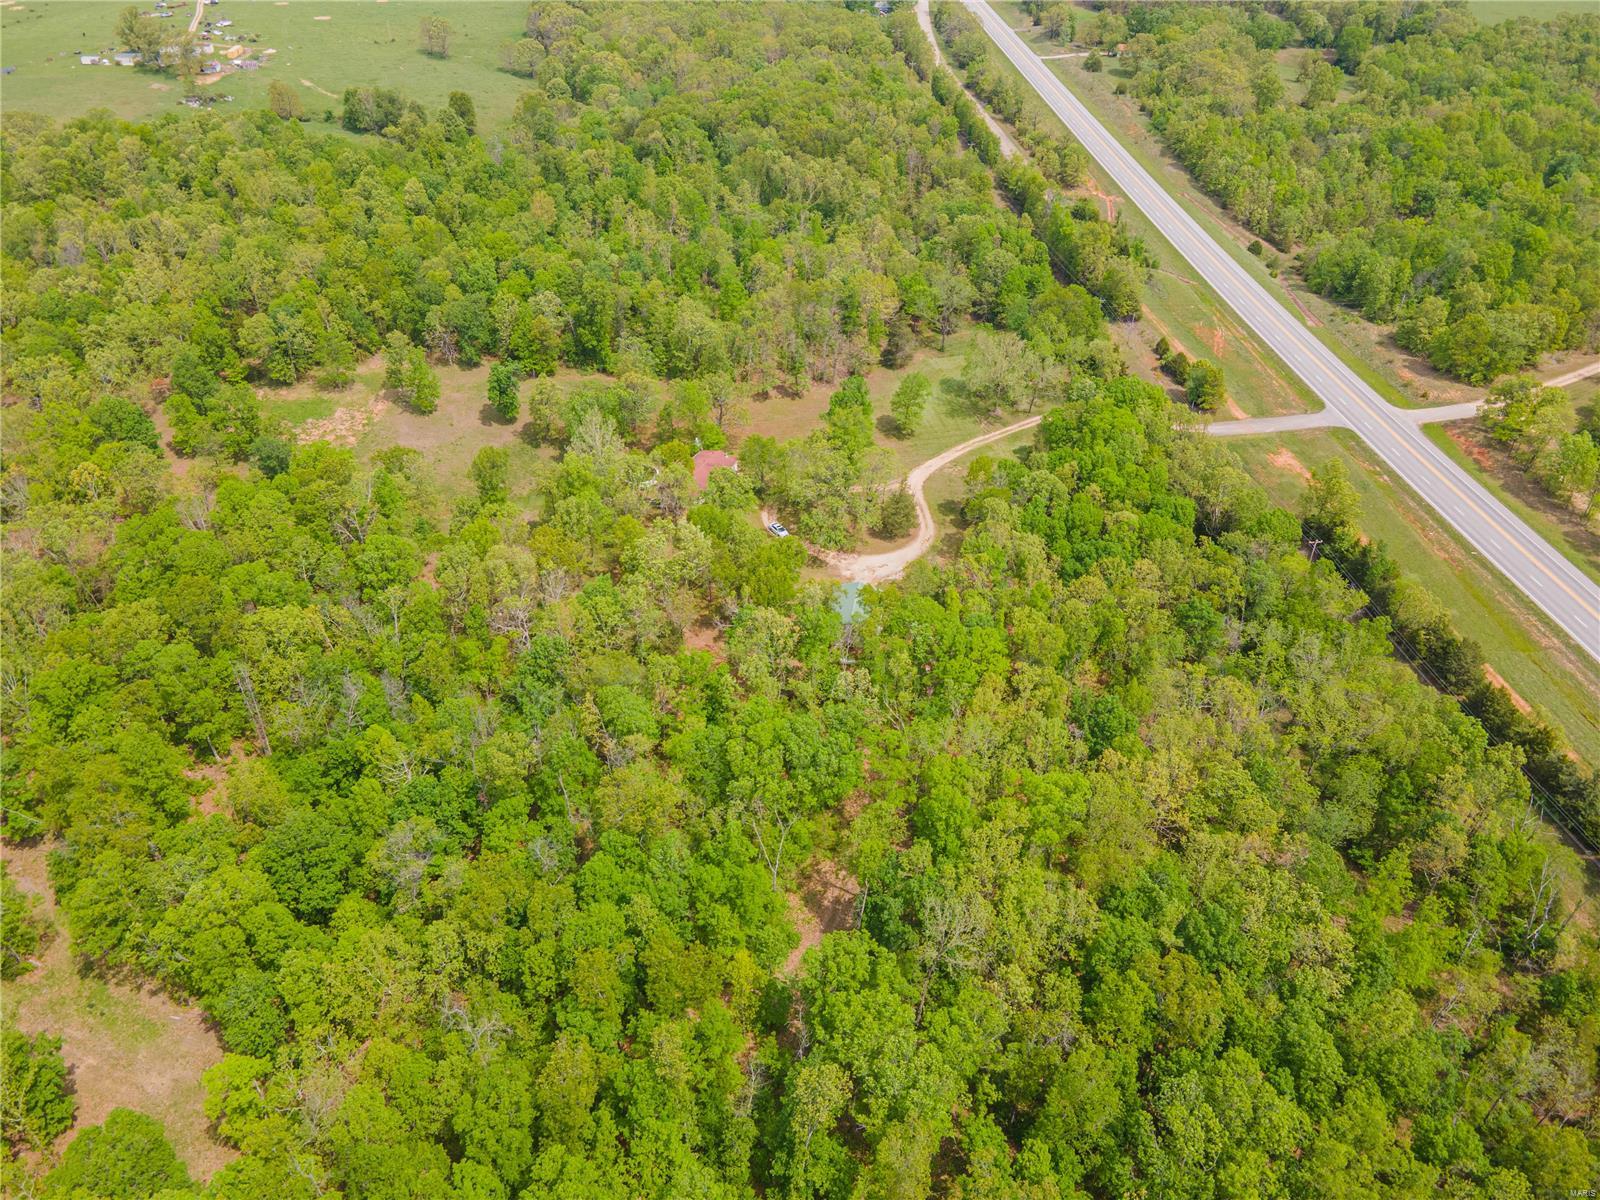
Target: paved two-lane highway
1568, 596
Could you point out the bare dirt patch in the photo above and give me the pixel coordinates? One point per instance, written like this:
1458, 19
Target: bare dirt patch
1498, 680
1471, 446
214, 778
179, 465
1305, 312
346, 425
125, 1046
321, 91
1106, 198
1284, 459
826, 903
707, 638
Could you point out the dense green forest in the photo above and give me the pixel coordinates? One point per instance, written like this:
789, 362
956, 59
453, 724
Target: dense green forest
1167, 878
1438, 173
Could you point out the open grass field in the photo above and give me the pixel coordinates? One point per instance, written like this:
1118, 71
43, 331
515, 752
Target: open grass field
322, 47
1492, 12
1536, 663
362, 418
948, 418
125, 1047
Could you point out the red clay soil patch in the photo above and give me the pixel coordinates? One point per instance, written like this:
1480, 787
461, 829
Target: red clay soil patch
125, 1047
1498, 680
826, 904
214, 775
1462, 435
1284, 459
1304, 311
179, 465
707, 638
1110, 201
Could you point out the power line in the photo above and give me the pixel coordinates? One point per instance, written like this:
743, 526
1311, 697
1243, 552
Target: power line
1567, 821
1551, 808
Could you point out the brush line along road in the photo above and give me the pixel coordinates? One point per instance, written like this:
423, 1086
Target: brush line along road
1568, 596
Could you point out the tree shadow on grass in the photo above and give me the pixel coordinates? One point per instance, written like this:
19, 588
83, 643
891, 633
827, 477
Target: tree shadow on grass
952, 528
955, 398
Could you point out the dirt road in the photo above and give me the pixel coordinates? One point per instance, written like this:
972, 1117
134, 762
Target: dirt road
891, 564
1008, 144
1573, 376
199, 8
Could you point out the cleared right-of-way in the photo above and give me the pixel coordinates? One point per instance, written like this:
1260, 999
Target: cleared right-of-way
1563, 592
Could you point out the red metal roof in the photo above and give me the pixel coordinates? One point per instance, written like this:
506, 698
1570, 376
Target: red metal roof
709, 460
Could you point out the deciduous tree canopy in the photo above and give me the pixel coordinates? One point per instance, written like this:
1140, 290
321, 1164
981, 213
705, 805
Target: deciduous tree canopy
1441, 175
1163, 876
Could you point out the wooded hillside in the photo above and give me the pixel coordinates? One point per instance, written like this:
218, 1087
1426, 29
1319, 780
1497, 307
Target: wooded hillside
488, 843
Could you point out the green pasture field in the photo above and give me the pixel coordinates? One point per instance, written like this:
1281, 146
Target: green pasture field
360, 42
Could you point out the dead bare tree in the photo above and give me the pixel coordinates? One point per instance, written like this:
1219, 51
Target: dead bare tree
483, 1031
252, 706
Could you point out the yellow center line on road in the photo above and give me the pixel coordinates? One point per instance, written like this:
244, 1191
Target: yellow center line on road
1275, 314
1296, 335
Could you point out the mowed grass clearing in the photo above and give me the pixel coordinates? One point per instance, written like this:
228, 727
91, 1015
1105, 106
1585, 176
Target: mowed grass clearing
1539, 664
363, 418
360, 43
1492, 12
